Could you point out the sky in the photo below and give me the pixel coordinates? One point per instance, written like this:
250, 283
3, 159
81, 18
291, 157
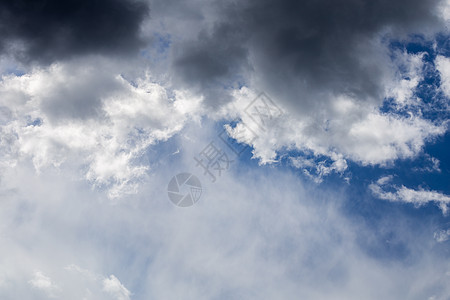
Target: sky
253, 149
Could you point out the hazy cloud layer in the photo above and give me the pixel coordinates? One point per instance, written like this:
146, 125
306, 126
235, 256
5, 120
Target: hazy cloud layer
252, 235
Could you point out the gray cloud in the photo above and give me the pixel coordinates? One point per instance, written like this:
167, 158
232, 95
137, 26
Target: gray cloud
48, 30
212, 62
304, 50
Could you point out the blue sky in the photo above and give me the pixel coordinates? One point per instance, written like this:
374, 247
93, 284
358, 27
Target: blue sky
341, 111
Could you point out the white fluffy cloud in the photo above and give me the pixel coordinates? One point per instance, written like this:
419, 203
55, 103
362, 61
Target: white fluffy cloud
346, 130
86, 115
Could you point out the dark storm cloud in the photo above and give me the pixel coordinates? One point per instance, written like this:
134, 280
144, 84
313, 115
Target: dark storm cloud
211, 62
47, 30
304, 49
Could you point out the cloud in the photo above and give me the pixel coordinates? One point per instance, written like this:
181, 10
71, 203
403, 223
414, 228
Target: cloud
333, 96
348, 132
98, 286
403, 194
113, 286
253, 234
49, 30
318, 170
330, 65
44, 283
443, 66
87, 115
442, 235
431, 164
129, 116
332, 77
303, 53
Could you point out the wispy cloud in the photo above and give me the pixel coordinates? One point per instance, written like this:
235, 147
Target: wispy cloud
403, 194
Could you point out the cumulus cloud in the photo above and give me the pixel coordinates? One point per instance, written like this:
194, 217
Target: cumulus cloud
49, 30
96, 120
330, 65
354, 132
403, 194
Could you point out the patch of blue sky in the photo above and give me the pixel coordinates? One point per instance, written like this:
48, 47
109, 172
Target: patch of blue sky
161, 42
385, 230
12, 70
158, 48
434, 104
164, 153
235, 82
430, 170
387, 220
34, 122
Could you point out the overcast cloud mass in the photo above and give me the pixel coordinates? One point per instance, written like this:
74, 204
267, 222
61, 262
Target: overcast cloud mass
332, 120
